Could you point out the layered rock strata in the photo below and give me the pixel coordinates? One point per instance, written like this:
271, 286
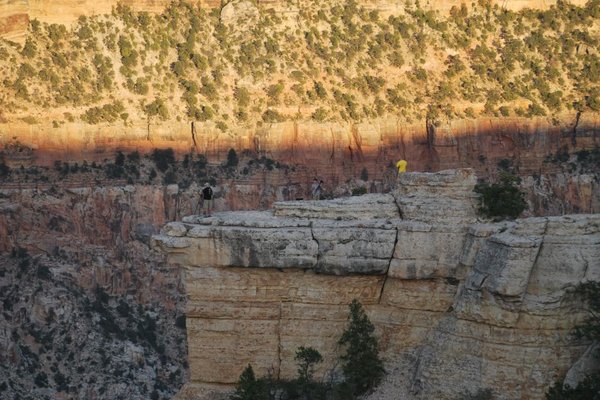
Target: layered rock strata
339, 154
461, 303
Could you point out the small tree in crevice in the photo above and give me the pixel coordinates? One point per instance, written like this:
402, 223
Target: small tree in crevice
361, 366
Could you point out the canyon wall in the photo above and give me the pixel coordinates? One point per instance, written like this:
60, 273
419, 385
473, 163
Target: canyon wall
16, 14
337, 150
88, 309
457, 303
339, 154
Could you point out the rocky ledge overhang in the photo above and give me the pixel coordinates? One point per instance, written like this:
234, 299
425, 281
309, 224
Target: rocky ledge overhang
460, 301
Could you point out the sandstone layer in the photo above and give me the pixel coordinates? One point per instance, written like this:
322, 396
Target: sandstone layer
477, 143
340, 153
461, 303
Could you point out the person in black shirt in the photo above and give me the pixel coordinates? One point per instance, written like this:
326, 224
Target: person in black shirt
207, 199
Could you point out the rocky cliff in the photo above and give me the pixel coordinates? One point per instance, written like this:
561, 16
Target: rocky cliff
88, 310
340, 154
332, 87
458, 303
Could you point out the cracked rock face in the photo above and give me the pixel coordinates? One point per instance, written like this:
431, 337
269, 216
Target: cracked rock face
457, 303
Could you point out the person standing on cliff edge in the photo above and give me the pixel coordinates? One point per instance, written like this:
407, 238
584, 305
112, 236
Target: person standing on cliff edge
401, 165
314, 189
207, 199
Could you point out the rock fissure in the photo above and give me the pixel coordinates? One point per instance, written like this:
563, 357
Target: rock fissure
278, 372
575, 126
318, 253
193, 131
388, 267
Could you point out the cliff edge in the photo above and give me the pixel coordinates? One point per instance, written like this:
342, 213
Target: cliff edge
458, 303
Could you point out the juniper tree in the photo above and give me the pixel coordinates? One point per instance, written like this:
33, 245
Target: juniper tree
307, 358
503, 199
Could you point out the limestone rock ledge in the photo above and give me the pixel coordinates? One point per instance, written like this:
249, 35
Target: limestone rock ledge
462, 303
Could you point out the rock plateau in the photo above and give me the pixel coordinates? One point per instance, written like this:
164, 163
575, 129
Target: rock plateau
458, 303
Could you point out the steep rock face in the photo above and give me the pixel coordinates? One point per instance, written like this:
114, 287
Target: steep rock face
478, 143
457, 303
339, 153
89, 310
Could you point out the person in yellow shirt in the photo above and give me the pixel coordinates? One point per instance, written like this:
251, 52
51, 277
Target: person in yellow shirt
401, 165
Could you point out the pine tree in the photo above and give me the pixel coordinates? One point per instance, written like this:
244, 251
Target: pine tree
362, 366
250, 388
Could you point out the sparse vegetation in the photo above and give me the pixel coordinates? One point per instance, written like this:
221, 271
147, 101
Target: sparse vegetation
370, 66
362, 368
163, 158
359, 191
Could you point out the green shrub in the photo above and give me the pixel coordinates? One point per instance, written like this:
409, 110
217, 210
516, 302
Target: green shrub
134, 156
170, 177
242, 95
157, 107
587, 389
29, 49
232, 159
319, 115
501, 200
272, 116
128, 54
107, 113
359, 191
119, 158
163, 158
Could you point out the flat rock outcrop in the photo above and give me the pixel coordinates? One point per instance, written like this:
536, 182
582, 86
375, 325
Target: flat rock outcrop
458, 302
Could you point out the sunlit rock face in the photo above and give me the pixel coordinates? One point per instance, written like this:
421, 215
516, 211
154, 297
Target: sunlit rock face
458, 303
338, 154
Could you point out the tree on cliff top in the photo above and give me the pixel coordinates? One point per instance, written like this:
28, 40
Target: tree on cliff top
362, 366
503, 199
